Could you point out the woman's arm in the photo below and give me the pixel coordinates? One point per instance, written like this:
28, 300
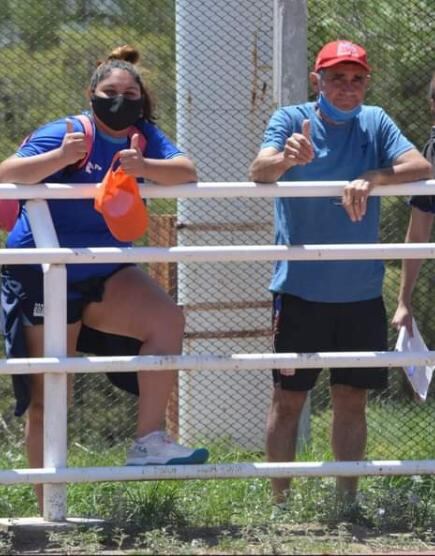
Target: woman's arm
171, 171
34, 169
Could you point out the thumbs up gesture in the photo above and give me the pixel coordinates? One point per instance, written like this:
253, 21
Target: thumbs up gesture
299, 149
74, 147
132, 160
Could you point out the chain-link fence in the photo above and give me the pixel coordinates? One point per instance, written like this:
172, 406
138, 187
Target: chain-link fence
49, 50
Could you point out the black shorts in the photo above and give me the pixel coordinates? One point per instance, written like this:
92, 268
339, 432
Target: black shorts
22, 304
308, 327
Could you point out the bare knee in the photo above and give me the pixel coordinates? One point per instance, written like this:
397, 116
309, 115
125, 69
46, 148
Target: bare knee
348, 401
287, 404
166, 331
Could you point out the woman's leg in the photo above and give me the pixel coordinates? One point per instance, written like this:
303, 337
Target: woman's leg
35, 413
134, 305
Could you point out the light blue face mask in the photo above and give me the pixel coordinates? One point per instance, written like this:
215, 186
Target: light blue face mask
334, 113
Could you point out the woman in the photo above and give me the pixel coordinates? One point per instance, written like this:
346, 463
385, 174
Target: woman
112, 298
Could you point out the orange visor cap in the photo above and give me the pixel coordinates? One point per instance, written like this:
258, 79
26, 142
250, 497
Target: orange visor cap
119, 202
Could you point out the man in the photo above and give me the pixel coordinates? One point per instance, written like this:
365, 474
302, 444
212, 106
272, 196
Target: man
331, 305
419, 230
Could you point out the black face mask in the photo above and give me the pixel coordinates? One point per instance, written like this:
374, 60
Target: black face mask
117, 112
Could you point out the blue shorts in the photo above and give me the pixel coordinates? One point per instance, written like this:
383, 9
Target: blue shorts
22, 304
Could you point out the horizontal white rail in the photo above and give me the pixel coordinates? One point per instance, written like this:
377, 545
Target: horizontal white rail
225, 253
214, 190
217, 471
236, 362
62, 365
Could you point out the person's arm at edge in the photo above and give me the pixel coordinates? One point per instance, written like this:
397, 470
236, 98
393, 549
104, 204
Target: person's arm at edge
419, 230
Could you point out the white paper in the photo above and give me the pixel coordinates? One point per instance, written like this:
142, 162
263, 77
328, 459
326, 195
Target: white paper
419, 376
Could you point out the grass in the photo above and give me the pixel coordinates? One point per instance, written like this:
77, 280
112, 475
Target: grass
238, 516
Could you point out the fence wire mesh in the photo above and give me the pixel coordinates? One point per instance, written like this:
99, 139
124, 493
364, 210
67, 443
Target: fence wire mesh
49, 50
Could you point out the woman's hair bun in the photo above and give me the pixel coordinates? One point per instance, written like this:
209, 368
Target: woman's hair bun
126, 52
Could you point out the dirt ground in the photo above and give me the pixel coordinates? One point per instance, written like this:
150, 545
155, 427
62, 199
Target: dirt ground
112, 539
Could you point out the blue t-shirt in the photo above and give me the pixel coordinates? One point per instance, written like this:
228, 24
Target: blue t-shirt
369, 141
77, 223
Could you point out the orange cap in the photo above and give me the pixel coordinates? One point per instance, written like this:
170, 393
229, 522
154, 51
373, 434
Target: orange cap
121, 205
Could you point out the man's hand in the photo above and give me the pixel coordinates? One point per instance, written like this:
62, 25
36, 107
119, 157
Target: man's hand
132, 160
354, 198
287, 372
74, 147
299, 148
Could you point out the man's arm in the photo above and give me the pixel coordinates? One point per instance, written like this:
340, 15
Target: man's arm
409, 166
419, 230
270, 164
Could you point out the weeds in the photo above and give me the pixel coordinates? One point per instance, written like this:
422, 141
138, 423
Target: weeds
149, 507
232, 516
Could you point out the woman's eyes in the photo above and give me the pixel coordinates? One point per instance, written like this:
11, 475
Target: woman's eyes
128, 94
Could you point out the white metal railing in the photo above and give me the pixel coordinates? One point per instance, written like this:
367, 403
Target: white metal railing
214, 190
56, 365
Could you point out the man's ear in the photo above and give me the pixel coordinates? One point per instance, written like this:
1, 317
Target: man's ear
315, 82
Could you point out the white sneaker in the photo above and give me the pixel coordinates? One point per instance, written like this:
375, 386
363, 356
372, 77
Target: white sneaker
157, 448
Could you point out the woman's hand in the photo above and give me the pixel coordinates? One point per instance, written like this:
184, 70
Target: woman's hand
74, 146
132, 160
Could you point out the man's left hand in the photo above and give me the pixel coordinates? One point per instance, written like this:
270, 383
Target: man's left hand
354, 199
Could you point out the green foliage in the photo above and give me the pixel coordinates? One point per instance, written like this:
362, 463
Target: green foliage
398, 48
52, 82
38, 24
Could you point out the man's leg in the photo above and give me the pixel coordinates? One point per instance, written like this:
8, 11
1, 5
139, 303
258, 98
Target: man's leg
282, 428
362, 327
349, 432
299, 326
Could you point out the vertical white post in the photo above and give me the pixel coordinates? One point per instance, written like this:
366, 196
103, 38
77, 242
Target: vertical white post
224, 98
290, 85
55, 345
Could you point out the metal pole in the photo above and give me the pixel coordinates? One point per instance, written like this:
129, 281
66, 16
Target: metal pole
55, 345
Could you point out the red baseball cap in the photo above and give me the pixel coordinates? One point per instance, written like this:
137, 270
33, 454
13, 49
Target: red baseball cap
341, 51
